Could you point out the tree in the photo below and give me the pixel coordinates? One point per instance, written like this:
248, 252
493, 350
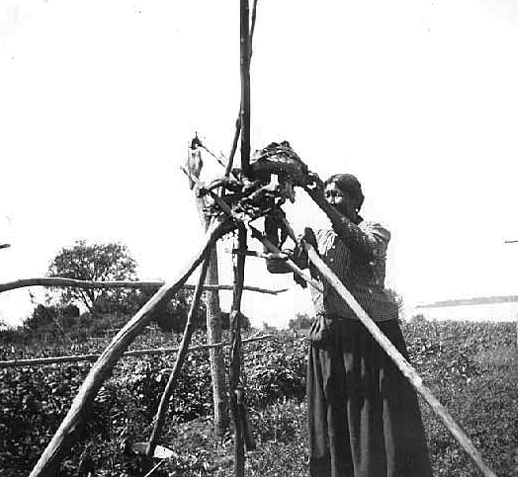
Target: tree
95, 262
52, 315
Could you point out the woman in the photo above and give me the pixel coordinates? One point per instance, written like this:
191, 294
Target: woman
363, 415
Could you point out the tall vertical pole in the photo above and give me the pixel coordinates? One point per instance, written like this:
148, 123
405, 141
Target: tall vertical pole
239, 265
244, 114
235, 355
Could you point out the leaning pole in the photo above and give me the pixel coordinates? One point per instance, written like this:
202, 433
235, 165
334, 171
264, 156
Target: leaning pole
66, 434
406, 369
399, 360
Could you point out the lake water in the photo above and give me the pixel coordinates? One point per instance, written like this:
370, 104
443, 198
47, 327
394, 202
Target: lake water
484, 312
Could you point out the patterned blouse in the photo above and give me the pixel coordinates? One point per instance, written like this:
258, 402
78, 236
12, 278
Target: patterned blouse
357, 255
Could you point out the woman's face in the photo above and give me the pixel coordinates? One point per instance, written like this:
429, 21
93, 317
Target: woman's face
341, 201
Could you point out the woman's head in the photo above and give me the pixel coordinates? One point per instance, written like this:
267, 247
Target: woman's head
344, 192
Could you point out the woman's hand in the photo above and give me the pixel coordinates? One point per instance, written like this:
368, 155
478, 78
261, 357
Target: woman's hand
274, 227
309, 236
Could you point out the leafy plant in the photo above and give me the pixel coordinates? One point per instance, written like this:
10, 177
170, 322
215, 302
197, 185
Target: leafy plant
470, 367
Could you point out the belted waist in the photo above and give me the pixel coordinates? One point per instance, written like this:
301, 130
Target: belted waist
336, 316
352, 317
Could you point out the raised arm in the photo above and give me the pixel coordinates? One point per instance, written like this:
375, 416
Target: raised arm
367, 239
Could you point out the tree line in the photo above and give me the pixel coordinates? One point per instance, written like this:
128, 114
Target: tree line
96, 309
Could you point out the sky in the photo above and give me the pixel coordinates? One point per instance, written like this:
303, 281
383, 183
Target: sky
100, 99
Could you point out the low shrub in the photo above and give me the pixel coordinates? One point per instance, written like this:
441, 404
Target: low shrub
469, 367
275, 369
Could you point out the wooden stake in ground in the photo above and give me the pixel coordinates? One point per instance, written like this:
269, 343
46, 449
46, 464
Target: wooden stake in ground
180, 358
213, 318
235, 355
66, 434
216, 357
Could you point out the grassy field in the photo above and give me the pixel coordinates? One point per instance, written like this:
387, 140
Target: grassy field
470, 367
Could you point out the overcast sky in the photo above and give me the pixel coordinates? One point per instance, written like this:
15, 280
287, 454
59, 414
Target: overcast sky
419, 99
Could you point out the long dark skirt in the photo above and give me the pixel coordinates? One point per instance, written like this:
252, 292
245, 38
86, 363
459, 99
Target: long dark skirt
364, 417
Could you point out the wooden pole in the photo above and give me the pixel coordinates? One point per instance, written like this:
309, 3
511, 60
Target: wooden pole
407, 370
403, 365
400, 361
384, 342
233, 150
318, 197
292, 265
238, 121
214, 327
252, 29
244, 116
235, 356
71, 282
18, 363
216, 358
255, 233
67, 432
180, 359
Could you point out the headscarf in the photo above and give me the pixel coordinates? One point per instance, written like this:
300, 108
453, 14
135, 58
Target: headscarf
349, 184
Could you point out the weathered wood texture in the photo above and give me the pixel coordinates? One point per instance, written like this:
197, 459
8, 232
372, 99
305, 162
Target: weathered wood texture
235, 355
214, 326
66, 434
216, 358
237, 131
244, 115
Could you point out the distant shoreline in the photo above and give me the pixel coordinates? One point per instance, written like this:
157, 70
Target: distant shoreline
485, 300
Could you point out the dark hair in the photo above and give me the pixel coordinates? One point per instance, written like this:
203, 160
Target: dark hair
349, 184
